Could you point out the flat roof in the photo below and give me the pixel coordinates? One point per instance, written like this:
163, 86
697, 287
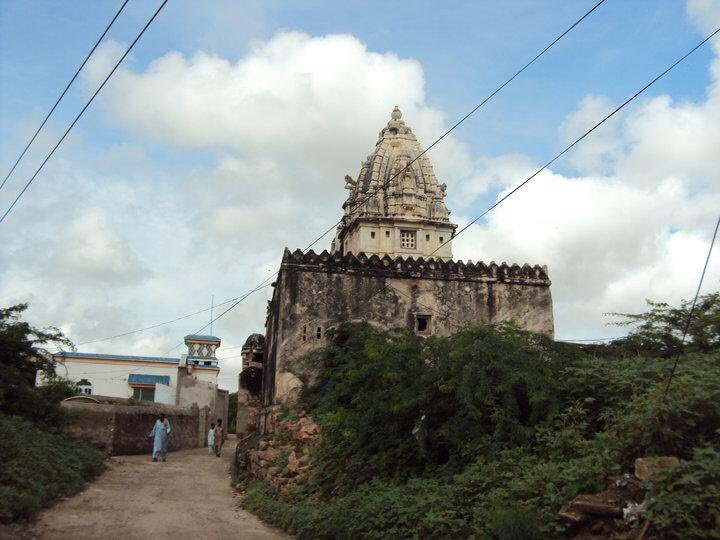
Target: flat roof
130, 358
202, 337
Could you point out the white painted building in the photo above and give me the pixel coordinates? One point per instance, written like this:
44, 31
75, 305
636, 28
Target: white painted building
192, 378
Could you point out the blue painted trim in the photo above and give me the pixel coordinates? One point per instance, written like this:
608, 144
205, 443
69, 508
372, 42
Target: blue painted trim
141, 378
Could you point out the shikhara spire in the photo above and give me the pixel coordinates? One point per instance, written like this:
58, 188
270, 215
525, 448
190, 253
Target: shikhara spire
396, 199
414, 192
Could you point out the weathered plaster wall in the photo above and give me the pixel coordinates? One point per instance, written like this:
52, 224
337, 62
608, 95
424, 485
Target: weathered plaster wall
317, 292
124, 429
191, 389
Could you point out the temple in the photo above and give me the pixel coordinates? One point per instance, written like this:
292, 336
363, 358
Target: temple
396, 206
390, 264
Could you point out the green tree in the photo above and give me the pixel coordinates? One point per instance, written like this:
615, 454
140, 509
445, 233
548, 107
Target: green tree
23, 356
659, 331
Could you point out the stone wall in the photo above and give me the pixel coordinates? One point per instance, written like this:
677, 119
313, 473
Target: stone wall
315, 293
123, 429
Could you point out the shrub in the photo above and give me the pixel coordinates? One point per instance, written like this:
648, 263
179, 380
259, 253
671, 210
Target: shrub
687, 498
38, 466
486, 433
672, 423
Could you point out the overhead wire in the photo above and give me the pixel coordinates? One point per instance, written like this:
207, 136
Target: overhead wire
570, 146
460, 121
62, 94
445, 134
692, 308
456, 124
576, 141
82, 111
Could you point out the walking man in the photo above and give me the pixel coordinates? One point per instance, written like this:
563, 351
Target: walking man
160, 432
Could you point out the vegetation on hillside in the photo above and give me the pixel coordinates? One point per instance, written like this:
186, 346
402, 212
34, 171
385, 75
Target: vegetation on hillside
488, 432
38, 463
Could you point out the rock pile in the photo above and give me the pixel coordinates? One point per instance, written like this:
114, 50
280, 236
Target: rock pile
623, 502
283, 461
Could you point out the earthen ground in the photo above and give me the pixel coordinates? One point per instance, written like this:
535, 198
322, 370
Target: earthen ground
187, 497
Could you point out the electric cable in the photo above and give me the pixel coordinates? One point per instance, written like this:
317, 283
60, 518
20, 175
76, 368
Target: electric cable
692, 308
82, 111
485, 100
447, 132
456, 124
576, 141
67, 87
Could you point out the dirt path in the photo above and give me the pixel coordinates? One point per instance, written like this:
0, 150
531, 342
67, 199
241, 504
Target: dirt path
189, 496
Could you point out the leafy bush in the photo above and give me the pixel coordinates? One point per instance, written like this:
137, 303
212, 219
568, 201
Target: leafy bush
687, 498
37, 466
393, 405
672, 423
486, 433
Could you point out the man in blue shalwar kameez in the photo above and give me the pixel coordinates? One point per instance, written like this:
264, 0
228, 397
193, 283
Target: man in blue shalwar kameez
159, 433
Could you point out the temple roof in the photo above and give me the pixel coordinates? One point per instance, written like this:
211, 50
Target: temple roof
395, 180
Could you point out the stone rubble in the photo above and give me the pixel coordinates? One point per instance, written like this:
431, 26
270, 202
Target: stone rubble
283, 461
624, 501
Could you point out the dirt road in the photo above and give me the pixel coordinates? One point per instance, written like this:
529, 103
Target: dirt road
187, 497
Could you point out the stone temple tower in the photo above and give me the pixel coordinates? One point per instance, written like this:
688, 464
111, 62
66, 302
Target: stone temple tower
396, 206
390, 265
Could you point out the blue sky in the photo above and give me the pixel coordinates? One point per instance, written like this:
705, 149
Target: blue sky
465, 48
145, 213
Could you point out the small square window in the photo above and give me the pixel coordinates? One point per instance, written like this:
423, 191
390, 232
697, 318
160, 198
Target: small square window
427, 237
422, 324
407, 239
372, 234
441, 239
387, 234
318, 334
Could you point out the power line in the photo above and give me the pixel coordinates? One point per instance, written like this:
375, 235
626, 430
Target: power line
82, 111
589, 340
67, 87
447, 132
483, 102
570, 146
576, 141
262, 285
156, 325
692, 308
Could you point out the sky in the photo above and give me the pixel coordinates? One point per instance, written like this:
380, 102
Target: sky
225, 137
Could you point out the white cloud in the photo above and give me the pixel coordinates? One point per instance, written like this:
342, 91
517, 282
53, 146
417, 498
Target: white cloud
282, 125
94, 251
316, 103
636, 226
706, 16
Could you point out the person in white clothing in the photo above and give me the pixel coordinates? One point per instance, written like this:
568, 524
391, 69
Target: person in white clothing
211, 439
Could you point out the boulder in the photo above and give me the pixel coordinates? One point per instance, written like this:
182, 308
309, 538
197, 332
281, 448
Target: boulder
648, 468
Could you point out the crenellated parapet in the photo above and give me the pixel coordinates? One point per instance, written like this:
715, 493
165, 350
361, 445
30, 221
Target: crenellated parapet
409, 267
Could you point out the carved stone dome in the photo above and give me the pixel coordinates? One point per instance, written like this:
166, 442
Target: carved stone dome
385, 188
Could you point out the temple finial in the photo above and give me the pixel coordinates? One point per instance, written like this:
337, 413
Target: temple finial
396, 114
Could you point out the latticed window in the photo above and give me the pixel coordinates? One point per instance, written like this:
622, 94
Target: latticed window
407, 239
